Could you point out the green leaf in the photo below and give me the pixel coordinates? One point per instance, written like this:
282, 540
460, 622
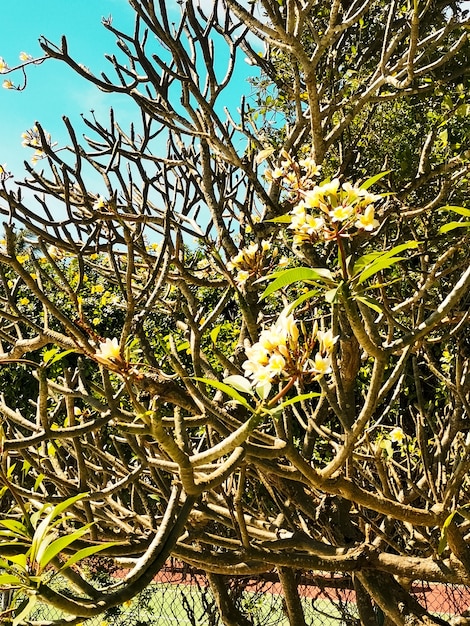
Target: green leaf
382, 264
185, 345
15, 527
10, 580
373, 179
443, 540
38, 481
215, 333
299, 398
44, 557
263, 155
386, 260
62, 506
240, 383
282, 219
32, 600
331, 294
85, 552
51, 356
295, 275
363, 262
227, 390
452, 225
18, 559
460, 210
371, 303
263, 391
298, 301
42, 532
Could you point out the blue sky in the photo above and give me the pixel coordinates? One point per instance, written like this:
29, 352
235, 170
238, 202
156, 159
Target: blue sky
53, 90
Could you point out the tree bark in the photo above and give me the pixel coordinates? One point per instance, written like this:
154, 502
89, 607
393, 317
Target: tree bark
295, 612
367, 613
229, 613
398, 606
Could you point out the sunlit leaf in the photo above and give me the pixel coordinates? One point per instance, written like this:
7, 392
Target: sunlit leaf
299, 398
263, 155
386, 260
20, 559
86, 552
331, 295
373, 179
239, 383
16, 528
281, 219
10, 580
51, 356
230, 391
460, 210
363, 262
371, 303
452, 226
263, 391
44, 557
215, 333
32, 600
296, 275
300, 300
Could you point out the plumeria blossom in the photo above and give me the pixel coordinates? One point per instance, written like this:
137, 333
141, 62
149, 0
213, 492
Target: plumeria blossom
32, 139
323, 211
336, 210
100, 204
397, 435
282, 352
109, 352
253, 261
4, 173
24, 56
7, 84
367, 221
3, 66
292, 174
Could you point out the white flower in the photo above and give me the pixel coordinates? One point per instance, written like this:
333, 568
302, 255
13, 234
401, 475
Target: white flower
109, 351
322, 364
326, 340
397, 435
341, 213
99, 204
288, 326
242, 277
276, 364
367, 221
251, 250
54, 252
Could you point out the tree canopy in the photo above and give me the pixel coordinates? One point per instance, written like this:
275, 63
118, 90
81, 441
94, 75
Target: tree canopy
239, 335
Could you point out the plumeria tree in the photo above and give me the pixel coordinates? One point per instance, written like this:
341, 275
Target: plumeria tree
249, 352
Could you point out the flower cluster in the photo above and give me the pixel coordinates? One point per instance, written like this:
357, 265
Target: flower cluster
327, 210
254, 261
4, 173
5, 69
32, 139
281, 352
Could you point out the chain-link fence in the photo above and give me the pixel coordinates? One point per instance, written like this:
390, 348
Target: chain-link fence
182, 596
